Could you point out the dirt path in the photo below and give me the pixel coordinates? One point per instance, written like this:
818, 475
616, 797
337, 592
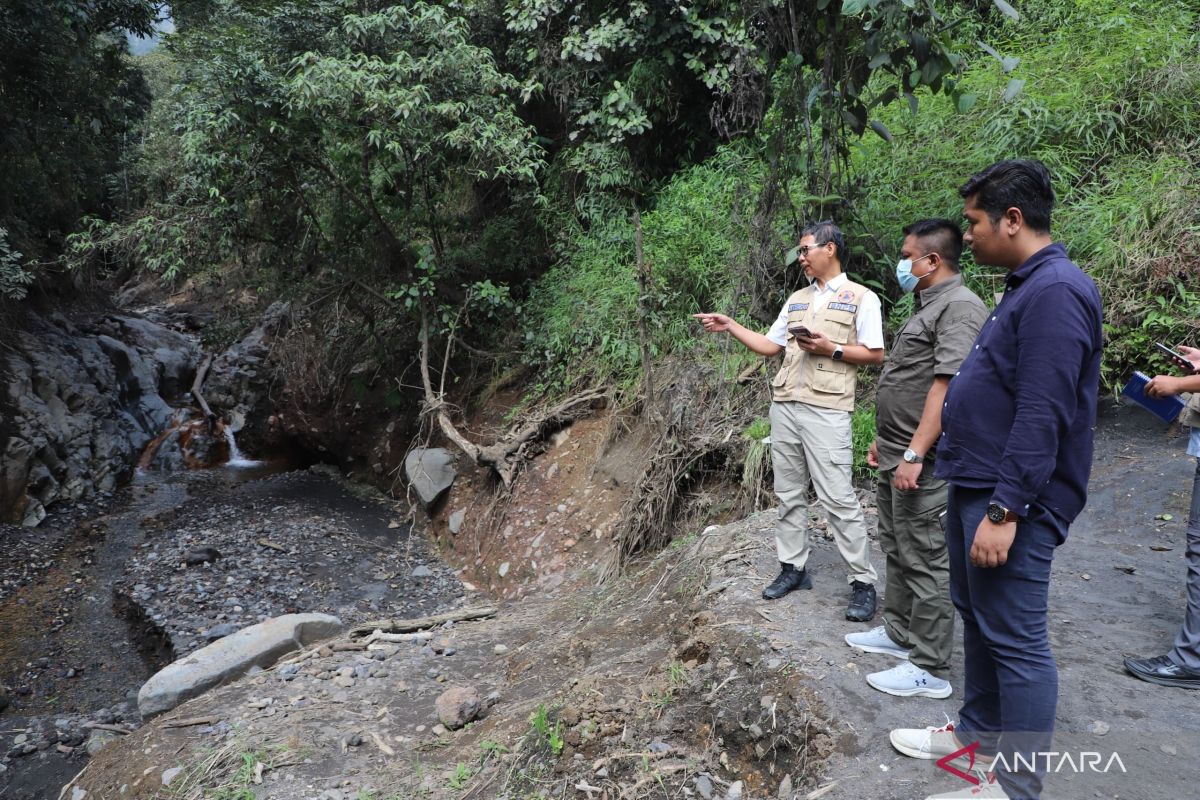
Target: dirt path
1139, 473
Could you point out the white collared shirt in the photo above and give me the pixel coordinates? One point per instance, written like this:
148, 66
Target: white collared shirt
868, 322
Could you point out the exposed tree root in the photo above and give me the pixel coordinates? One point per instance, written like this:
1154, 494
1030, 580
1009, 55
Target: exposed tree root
506, 456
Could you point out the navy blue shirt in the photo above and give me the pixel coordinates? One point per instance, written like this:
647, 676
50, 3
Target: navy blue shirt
1021, 412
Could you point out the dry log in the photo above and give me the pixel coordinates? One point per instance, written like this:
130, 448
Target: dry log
188, 722
201, 374
380, 636
101, 726
416, 624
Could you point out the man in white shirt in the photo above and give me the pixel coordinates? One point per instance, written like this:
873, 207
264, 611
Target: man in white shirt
827, 330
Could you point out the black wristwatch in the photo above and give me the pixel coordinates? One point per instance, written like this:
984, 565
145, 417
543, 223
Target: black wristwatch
999, 515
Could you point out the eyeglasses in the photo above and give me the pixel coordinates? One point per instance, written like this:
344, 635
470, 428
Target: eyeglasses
804, 249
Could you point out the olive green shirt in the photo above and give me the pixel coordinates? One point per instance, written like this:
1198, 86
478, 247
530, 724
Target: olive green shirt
933, 342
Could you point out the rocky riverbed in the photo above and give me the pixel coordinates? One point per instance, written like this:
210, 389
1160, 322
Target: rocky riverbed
103, 596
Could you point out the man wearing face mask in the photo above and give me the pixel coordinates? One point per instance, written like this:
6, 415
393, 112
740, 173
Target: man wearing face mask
826, 330
918, 616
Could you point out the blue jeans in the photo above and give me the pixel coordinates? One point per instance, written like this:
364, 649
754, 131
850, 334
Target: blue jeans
1011, 683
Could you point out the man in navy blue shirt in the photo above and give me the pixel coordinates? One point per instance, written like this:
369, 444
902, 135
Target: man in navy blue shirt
1016, 449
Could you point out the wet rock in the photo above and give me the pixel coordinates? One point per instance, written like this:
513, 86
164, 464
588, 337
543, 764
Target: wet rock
458, 706
259, 645
431, 471
87, 397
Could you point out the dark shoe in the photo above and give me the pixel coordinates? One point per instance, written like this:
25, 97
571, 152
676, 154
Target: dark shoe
788, 580
862, 602
1163, 671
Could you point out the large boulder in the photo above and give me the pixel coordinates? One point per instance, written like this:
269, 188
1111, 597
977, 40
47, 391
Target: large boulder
430, 470
229, 658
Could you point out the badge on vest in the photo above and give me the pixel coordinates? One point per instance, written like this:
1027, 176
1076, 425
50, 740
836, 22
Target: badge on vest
843, 307
797, 307
846, 296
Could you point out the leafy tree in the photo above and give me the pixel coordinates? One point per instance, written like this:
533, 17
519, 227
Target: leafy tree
68, 99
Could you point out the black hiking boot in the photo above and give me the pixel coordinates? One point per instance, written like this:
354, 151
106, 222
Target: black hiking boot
862, 602
1163, 671
788, 580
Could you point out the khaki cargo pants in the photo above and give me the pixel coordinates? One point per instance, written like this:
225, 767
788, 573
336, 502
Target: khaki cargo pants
811, 443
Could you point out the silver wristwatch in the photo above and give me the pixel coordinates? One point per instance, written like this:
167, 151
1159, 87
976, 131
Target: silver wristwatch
837, 353
912, 456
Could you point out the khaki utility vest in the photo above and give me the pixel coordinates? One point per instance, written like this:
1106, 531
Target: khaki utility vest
819, 380
1190, 416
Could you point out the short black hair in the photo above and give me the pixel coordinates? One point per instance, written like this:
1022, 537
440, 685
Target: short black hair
825, 232
944, 237
1015, 183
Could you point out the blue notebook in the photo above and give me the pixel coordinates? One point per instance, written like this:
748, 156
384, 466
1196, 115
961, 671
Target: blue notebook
1165, 408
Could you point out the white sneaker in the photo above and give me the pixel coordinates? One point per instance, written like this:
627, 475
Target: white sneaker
988, 789
876, 640
909, 680
930, 743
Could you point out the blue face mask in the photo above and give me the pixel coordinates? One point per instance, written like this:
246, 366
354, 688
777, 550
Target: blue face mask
904, 273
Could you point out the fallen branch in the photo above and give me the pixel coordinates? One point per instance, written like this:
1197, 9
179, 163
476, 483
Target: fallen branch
407, 625
201, 374
189, 722
101, 726
382, 745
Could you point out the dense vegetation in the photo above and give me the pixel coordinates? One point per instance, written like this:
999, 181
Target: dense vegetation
551, 187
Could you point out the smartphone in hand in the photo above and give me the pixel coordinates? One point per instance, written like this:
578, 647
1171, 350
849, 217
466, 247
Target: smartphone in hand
1175, 357
800, 332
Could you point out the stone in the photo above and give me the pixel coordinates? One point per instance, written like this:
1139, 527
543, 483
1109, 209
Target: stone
422, 572
500, 649
259, 645
704, 786
170, 775
201, 555
785, 788
431, 471
735, 791
503, 569
456, 521
97, 740
458, 706
78, 794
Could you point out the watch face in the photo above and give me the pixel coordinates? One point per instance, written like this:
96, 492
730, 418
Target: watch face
996, 513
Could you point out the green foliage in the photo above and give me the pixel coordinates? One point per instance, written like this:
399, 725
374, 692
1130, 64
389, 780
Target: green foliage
14, 279
460, 777
70, 99
862, 434
1110, 105
758, 430
331, 134
583, 311
545, 733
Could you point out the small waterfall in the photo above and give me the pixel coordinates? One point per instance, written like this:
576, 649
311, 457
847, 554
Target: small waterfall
236, 457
